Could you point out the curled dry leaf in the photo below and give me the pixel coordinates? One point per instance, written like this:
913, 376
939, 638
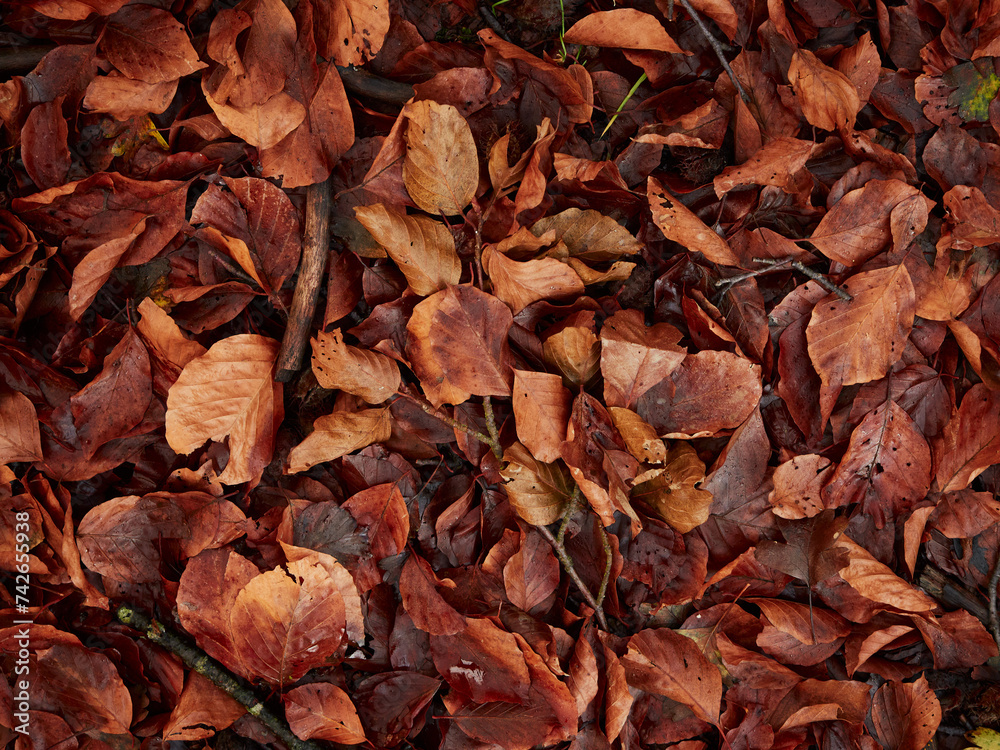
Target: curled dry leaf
423, 249
798, 484
229, 392
828, 98
674, 492
589, 235
338, 434
538, 492
638, 435
906, 715
876, 581
680, 224
519, 283
349, 32
260, 125
441, 169
362, 372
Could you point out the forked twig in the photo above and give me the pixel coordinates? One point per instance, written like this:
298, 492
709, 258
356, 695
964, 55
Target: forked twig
773, 265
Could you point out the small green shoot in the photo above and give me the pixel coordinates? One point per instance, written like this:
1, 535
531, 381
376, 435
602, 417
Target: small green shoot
618, 111
498, 3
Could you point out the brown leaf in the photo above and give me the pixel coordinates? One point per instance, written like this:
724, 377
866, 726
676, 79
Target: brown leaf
115, 401
776, 163
541, 412
858, 341
19, 434
86, 686
624, 28
531, 575
862, 65
149, 44
338, 434
858, 226
279, 632
96, 267
798, 484
877, 582
680, 224
420, 353
468, 341
382, 509
362, 372
126, 97
422, 601
639, 436
521, 283
970, 442
423, 249
664, 662
887, 467
905, 715
829, 100
674, 494
483, 662
808, 552
324, 711
710, 391
201, 710
229, 392
635, 357
589, 235
538, 491
575, 351
261, 125
261, 216
350, 32
441, 169
976, 219
44, 148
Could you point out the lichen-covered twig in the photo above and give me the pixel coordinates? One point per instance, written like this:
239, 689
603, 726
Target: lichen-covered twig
994, 617
567, 562
488, 440
208, 667
491, 425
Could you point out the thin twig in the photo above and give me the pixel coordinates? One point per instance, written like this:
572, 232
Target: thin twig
365, 84
571, 507
733, 280
486, 13
567, 563
456, 425
994, 618
208, 667
491, 425
719, 52
315, 252
816, 276
608, 561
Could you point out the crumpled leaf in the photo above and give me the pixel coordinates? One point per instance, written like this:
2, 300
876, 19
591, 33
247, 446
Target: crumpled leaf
149, 44
678, 223
338, 434
538, 491
829, 100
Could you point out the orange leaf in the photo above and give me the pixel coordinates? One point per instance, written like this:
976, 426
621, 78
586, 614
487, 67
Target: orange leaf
324, 711
666, 663
679, 223
623, 28
521, 283
20, 439
635, 357
338, 434
541, 412
149, 44
905, 715
537, 491
362, 372
829, 100
674, 493
859, 341
441, 169
970, 442
589, 235
423, 249
877, 582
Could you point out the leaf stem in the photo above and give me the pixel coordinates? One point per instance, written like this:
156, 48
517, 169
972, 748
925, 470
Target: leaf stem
197, 660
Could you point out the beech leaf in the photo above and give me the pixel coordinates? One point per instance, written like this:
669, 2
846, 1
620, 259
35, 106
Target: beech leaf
441, 169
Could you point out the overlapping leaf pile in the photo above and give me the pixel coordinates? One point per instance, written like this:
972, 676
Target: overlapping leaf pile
644, 409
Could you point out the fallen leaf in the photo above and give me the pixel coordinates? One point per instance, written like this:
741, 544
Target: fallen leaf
541, 412
441, 168
623, 27
364, 373
538, 491
338, 434
229, 392
829, 100
678, 223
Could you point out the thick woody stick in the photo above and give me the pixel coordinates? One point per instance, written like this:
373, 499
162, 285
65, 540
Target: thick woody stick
314, 256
